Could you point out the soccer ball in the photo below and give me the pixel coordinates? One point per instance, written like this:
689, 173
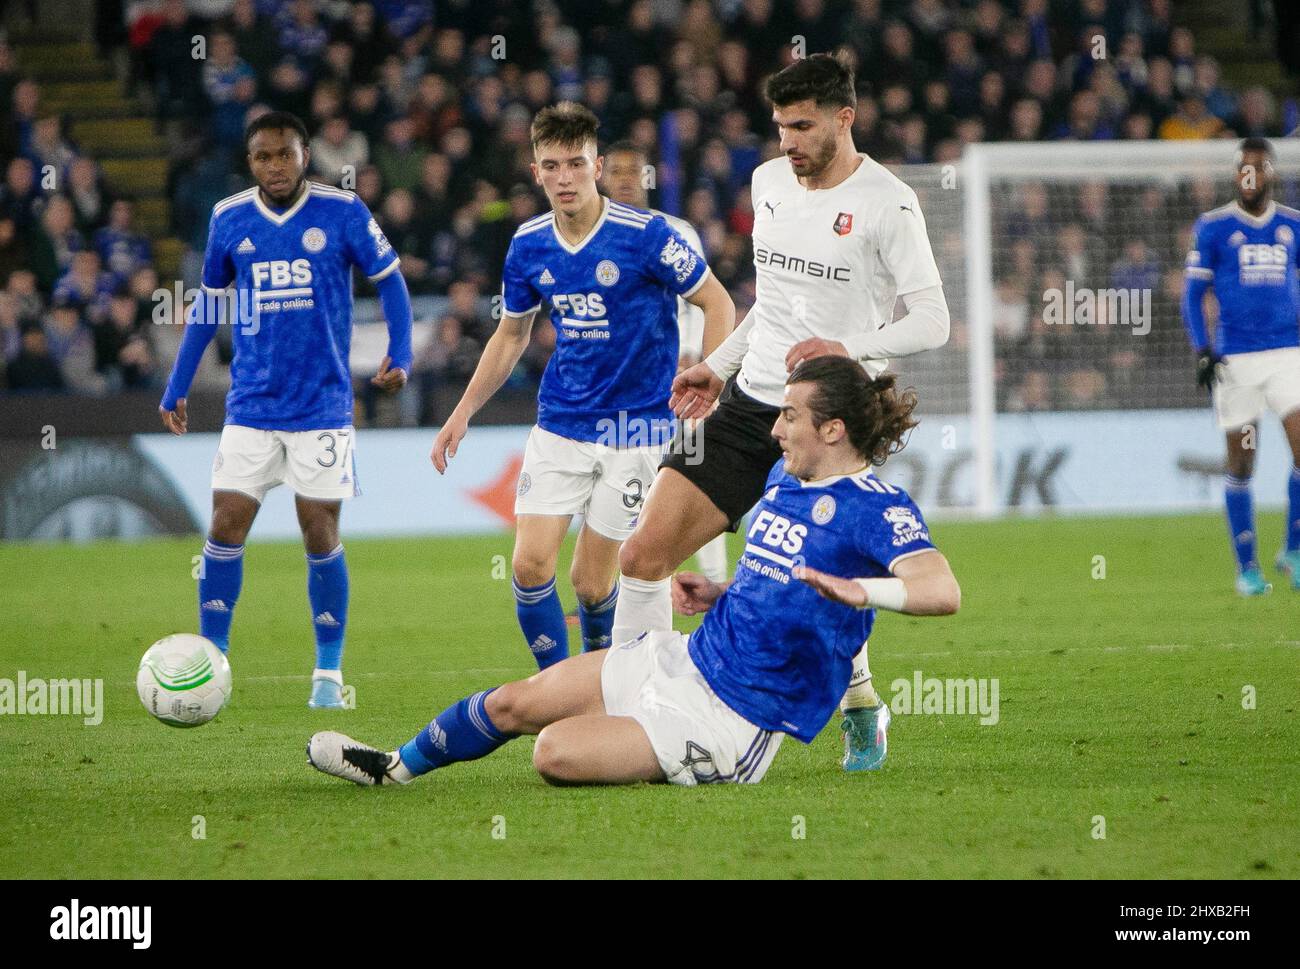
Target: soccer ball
184, 680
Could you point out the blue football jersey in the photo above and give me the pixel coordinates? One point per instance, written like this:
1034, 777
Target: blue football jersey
292, 273
772, 648
1252, 263
613, 301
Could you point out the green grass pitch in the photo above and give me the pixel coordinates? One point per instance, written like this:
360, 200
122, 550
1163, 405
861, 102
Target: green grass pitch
1120, 697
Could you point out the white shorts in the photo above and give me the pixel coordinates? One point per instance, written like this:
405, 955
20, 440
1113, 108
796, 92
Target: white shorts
697, 738
1250, 383
561, 476
315, 464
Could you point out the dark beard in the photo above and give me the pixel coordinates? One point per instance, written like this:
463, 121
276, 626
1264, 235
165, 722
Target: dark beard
821, 160
288, 198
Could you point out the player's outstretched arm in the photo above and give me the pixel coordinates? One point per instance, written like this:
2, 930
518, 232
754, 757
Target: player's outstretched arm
200, 328
925, 326
1207, 361
499, 358
395, 298
923, 585
694, 593
719, 312
696, 388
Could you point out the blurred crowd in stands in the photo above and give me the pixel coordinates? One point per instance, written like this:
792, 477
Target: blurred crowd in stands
424, 111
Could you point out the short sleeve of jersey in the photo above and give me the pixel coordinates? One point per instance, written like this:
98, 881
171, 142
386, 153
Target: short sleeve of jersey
904, 246
892, 529
517, 293
218, 270
1202, 257
672, 260
367, 246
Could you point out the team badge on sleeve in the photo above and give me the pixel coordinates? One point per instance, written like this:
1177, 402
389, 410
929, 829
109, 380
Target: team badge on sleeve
843, 223
680, 257
382, 244
907, 527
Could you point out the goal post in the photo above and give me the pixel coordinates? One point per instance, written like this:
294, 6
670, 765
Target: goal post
1064, 288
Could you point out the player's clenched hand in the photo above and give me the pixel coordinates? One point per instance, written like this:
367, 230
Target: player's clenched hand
844, 591
1207, 368
694, 391
693, 593
815, 347
389, 380
447, 441
175, 420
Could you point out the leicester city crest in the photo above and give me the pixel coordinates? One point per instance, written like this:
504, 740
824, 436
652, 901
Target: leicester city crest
313, 240
824, 510
606, 272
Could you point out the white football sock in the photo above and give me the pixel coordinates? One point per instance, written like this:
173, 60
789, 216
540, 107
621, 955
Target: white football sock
642, 606
713, 558
398, 771
861, 694
335, 675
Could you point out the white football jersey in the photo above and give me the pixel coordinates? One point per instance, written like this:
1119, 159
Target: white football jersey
830, 263
690, 318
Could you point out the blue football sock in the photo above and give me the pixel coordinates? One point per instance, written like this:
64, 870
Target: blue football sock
541, 617
598, 621
463, 731
1293, 522
219, 584
327, 589
1241, 520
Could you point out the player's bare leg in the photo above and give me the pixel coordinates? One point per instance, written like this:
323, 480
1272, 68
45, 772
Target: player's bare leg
1288, 559
327, 591
541, 617
319, 521
594, 575
678, 519
1242, 442
596, 749
233, 513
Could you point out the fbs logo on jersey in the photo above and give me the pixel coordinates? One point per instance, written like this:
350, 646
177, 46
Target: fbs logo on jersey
843, 223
